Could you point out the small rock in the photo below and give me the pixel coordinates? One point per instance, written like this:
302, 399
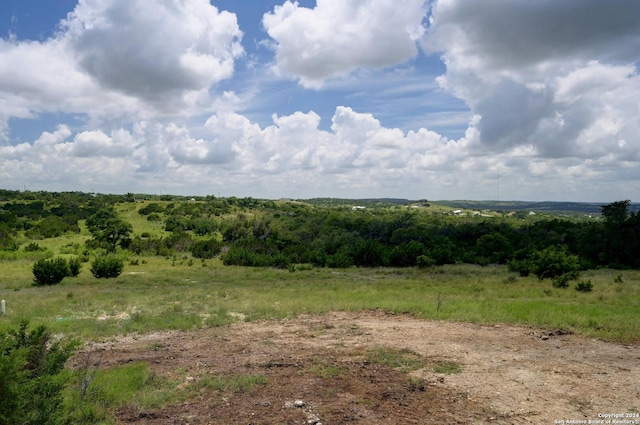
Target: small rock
299, 403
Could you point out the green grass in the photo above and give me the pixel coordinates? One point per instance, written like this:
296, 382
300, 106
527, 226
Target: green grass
136, 386
448, 368
106, 390
167, 293
326, 369
404, 359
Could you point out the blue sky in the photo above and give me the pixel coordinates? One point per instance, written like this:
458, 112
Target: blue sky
342, 98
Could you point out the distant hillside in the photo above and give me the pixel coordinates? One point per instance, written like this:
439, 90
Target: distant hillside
371, 202
579, 207
550, 207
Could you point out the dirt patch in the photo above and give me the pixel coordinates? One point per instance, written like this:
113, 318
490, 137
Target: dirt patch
317, 372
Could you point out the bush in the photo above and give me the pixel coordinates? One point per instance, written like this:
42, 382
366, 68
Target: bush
107, 266
33, 247
584, 286
206, 249
553, 262
75, 266
50, 271
522, 267
562, 281
424, 261
33, 378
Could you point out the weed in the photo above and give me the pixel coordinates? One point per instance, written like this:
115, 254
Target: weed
562, 281
584, 286
618, 279
416, 384
405, 360
326, 369
447, 367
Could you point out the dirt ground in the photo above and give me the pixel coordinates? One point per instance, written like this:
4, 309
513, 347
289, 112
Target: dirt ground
510, 375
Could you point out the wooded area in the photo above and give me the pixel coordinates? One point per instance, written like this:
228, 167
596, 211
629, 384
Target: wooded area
252, 232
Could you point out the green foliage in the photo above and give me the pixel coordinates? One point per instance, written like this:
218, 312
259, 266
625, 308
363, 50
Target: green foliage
584, 286
151, 208
405, 360
495, 247
109, 230
615, 213
52, 227
33, 247
50, 271
6, 237
107, 266
562, 281
522, 267
554, 261
325, 233
447, 367
33, 379
424, 261
75, 266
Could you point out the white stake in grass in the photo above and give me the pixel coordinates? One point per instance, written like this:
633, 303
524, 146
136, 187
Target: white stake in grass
4, 308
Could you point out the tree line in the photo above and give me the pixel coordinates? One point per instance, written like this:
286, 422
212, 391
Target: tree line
251, 232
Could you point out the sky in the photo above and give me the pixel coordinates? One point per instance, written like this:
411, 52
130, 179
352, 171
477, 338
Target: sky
439, 100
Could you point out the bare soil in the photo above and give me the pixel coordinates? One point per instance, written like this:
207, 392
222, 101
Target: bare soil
317, 373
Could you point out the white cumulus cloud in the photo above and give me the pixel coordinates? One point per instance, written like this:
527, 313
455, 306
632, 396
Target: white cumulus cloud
118, 59
556, 76
340, 36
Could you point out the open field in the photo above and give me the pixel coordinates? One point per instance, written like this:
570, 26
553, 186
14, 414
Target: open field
179, 340
191, 342
180, 293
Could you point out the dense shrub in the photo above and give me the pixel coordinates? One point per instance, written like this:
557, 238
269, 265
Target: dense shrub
50, 271
424, 261
206, 249
522, 267
106, 266
562, 281
33, 247
584, 286
553, 262
33, 379
52, 227
494, 247
6, 238
75, 266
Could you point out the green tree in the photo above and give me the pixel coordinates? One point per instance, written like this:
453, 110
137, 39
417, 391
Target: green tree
109, 230
107, 266
615, 213
621, 235
50, 271
553, 262
494, 247
33, 378
6, 238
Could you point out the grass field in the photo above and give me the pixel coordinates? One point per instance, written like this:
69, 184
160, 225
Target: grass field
184, 293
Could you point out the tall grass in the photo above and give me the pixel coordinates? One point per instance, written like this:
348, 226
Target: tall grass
161, 293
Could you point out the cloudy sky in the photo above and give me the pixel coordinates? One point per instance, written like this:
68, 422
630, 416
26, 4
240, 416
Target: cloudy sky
445, 99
